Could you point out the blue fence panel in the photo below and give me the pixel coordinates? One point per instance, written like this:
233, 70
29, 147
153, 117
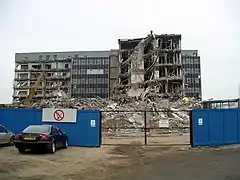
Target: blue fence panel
81, 133
200, 132
16, 119
219, 127
231, 128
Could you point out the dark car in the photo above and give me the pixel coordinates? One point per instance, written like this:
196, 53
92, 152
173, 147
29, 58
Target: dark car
49, 137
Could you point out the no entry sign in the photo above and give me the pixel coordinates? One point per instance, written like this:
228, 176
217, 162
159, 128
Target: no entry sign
59, 115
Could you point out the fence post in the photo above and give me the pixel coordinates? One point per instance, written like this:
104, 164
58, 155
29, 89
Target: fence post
145, 127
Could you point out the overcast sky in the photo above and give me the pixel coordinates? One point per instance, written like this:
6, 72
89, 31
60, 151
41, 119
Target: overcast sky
211, 26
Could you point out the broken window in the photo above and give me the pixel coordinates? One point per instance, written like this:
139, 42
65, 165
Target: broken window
48, 66
36, 66
66, 66
24, 67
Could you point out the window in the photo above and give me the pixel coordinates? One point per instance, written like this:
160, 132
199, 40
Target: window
99, 80
197, 70
188, 80
82, 81
90, 81
90, 61
99, 61
74, 81
40, 57
2, 130
98, 90
26, 58
37, 129
47, 57
197, 80
106, 61
54, 130
54, 56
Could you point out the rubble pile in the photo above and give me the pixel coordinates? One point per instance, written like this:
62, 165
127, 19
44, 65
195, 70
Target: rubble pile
124, 112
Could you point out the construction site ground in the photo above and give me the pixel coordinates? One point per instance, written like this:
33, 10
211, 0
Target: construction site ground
123, 162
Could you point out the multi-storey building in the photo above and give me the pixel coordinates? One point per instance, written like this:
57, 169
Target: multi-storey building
156, 63
90, 74
192, 73
76, 74
150, 64
56, 67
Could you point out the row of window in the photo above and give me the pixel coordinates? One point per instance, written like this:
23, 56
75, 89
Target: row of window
193, 80
90, 81
89, 95
80, 61
89, 76
90, 66
190, 60
191, 66
192, 70
75, 86
90, 90
87, 71
193, 90
196, 95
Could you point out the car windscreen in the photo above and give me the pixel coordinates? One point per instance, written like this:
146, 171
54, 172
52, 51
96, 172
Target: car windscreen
37, 129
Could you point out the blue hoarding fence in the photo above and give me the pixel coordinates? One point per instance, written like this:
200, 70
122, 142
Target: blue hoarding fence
86, 131
215, 127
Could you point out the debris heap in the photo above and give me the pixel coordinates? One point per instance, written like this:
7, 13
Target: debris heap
124, 112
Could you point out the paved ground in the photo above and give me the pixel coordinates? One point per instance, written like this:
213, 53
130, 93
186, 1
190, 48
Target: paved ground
122, 162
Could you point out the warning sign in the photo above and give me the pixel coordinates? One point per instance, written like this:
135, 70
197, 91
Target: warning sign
163, 123
59, 115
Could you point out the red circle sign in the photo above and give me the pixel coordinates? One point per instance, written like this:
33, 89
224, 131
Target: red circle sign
58, 115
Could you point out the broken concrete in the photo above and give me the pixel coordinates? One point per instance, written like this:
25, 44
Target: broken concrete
124, 112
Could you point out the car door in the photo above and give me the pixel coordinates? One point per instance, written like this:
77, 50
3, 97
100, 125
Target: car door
62, 138
56, 136
3, 135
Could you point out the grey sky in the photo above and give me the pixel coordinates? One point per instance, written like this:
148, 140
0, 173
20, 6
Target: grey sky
212, 26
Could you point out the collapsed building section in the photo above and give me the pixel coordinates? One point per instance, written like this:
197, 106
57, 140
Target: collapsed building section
28, 69
151, 64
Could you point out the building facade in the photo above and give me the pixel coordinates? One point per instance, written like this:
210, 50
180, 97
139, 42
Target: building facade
192, 73
90, 74
152, 63
96, 73
75, 74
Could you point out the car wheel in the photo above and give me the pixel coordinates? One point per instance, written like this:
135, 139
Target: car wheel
11, 141
21, 150
52, 148
65, 145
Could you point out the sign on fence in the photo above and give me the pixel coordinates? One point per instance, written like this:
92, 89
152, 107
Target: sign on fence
163, 123
59, 115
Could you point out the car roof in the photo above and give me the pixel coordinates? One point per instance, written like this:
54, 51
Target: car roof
43, 125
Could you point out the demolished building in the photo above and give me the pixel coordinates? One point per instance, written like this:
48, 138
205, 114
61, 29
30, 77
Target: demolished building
28, 68
151, 64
